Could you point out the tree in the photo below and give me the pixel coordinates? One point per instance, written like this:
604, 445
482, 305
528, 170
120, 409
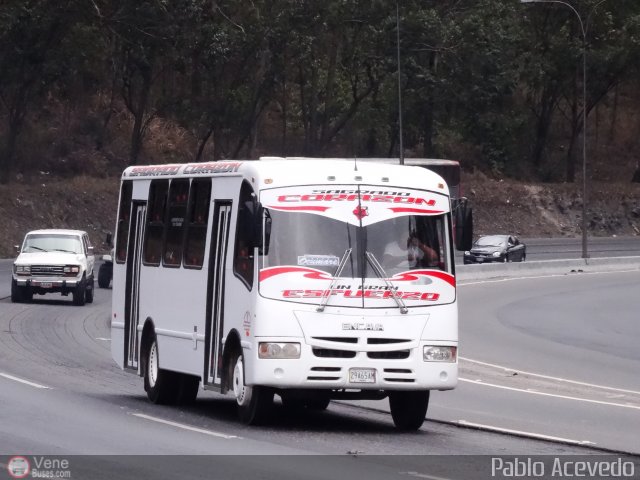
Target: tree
31, 35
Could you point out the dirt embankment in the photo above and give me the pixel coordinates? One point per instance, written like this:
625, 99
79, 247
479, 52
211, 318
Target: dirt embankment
500, 206
553, 210
83, 203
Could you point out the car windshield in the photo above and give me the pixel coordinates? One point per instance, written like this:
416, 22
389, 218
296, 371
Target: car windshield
493, 241
52, 243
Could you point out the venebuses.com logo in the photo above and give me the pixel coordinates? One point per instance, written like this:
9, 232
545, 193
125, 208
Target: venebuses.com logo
18, 467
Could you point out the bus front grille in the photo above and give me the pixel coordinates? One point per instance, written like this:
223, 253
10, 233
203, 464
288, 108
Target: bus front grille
393, 355
330, 353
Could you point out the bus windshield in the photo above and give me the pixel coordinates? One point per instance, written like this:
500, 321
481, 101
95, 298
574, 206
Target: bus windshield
400, 244
314, 245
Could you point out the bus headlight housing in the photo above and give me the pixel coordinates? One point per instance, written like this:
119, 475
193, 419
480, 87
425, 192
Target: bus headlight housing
278, 350
437, 353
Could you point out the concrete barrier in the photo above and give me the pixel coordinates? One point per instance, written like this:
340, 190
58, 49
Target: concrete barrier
545, 267
465, 273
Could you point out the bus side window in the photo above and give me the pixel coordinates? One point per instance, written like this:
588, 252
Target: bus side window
156, 209
175, 223
243, 254
197, 218
122, 235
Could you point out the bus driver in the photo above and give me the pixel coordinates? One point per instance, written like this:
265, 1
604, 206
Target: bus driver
409, 254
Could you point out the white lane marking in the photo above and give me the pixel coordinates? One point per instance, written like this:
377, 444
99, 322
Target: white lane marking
564, 397
22, 380
185, 427
557, 379
464, 423
104, 339
463, 283
423, 475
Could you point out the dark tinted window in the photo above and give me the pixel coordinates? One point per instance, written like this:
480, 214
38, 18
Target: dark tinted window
243, 254
197, 217
175, 223
124, 213
156, 210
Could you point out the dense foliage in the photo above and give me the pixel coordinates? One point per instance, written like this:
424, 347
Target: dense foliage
495, 83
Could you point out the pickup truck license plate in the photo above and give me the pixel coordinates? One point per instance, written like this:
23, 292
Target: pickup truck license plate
362, 375
44, 284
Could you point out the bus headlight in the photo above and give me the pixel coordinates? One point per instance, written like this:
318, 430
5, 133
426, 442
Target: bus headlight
432, 353
278, 350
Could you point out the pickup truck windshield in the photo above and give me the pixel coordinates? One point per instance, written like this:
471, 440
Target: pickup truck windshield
52, 243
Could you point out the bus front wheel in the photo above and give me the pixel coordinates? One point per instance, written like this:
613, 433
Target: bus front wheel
409, 408
254, 402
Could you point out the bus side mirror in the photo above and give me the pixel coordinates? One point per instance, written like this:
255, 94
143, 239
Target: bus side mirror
463, 224
262, 230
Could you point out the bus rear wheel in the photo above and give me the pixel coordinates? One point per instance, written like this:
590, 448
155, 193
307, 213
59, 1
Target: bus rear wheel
188, 389
409, 409
254, 402
161, 385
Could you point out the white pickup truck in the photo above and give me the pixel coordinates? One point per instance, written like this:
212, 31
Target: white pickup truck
50, 261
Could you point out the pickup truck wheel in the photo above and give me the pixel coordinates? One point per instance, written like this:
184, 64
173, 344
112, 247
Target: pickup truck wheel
17, 293
88, 294
104, 275
79, 293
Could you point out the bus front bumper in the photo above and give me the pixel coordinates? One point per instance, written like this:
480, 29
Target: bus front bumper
393, 370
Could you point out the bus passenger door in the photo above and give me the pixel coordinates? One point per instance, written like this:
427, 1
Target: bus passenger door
215, 292
131, 307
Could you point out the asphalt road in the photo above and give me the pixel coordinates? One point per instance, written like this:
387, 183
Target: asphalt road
581, 328
578, 333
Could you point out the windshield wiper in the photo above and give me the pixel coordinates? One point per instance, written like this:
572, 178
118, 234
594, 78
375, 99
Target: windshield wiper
63, 250
383, 275
37, 248
327, 293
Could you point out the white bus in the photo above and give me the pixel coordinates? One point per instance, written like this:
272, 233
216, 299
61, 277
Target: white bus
308, 279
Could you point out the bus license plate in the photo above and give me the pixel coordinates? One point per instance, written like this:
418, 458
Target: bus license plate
362, 375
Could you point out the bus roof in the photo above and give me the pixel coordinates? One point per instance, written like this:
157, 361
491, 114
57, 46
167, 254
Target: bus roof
276, 172
420, 162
